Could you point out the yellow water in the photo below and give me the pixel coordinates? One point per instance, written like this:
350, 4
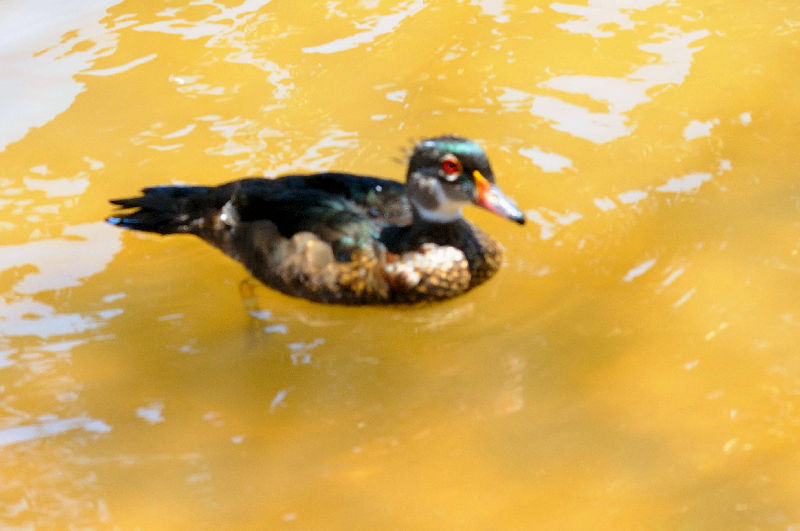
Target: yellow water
634, 365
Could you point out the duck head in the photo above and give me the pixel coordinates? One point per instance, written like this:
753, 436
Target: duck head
448, 172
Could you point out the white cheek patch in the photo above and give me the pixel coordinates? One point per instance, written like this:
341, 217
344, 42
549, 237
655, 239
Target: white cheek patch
446, 212
445, 209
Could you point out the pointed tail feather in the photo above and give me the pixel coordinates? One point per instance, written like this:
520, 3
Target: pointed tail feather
161, 209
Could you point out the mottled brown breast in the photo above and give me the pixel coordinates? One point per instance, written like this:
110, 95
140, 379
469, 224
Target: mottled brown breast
304, 265
486, 259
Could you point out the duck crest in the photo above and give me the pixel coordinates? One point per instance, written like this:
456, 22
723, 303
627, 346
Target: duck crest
335, 237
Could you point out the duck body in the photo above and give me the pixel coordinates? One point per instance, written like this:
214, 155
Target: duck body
338, 237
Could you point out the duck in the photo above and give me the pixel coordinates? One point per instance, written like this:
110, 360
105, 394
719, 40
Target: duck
343, 238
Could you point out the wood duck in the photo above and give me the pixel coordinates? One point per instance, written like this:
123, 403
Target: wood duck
342, 238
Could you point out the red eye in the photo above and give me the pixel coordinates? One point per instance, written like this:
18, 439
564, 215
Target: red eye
451, 165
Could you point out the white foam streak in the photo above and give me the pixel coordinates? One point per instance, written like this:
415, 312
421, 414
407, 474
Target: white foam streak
381, 26
620, 95
50, 428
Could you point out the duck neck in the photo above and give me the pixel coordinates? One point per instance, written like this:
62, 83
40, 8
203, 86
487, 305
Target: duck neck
443, 214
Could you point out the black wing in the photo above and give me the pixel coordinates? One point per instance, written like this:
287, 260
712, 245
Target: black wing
347, 211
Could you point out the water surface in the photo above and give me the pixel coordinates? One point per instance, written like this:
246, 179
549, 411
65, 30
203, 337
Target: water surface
633, 365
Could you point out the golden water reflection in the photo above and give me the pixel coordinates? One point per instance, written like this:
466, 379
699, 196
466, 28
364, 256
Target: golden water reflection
632, 366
